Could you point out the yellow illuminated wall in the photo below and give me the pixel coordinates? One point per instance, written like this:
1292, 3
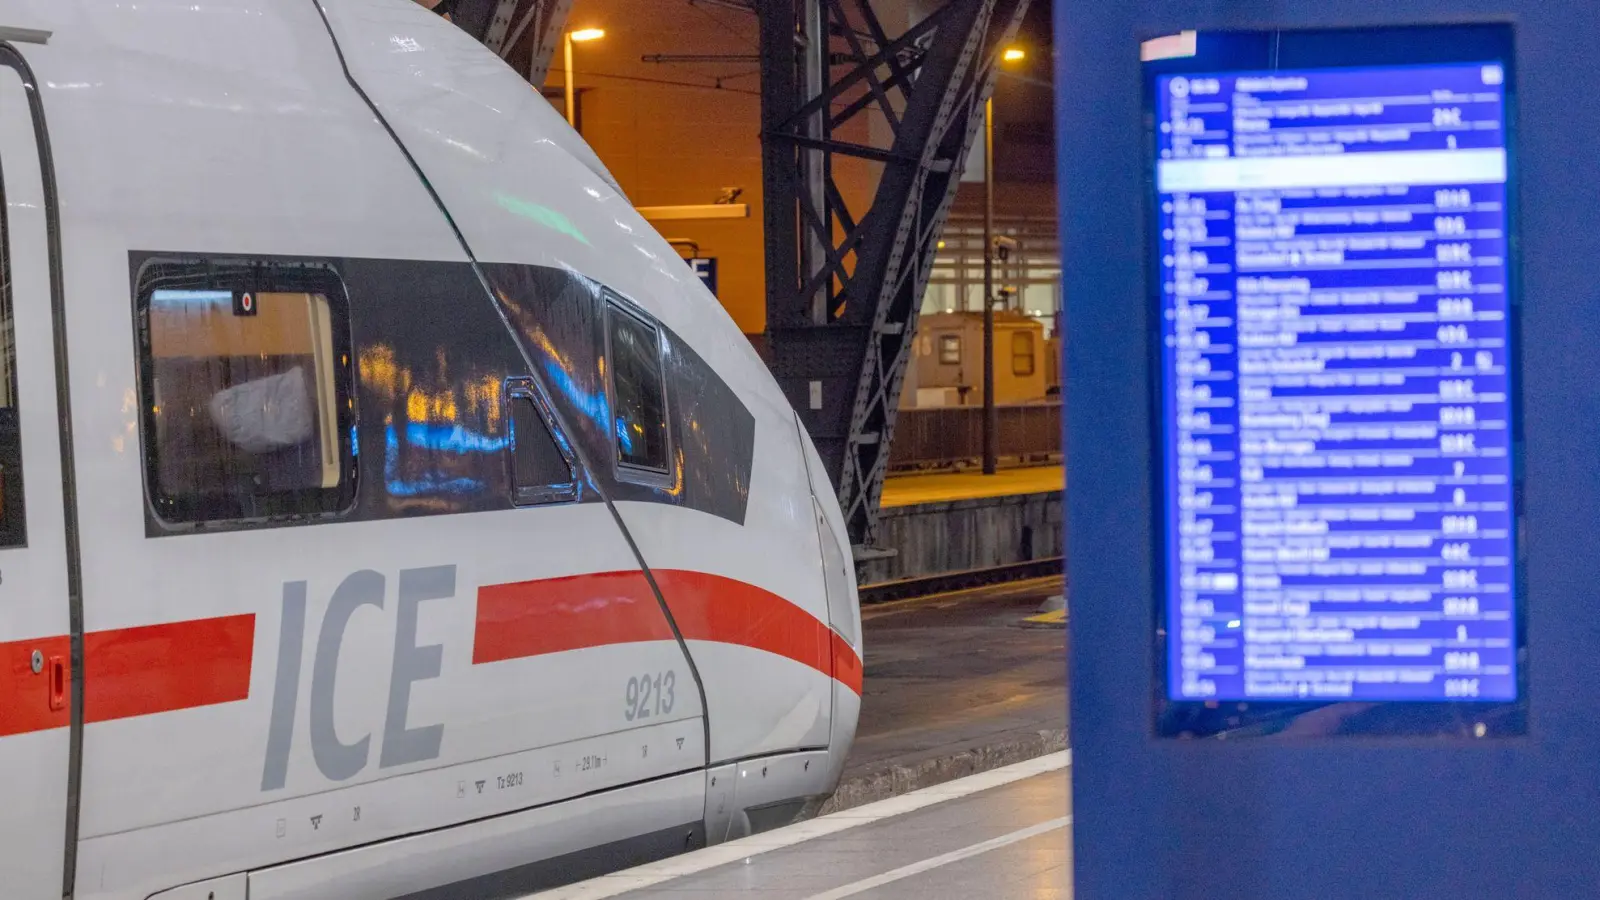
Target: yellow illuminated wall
684, 142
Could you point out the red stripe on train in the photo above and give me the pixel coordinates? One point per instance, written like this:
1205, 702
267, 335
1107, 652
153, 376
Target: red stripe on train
24, 695
847, 665
130, 672
531, 618
203, 662
161, 668
713, 608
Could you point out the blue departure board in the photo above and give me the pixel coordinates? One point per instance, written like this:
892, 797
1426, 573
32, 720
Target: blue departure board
1336, 384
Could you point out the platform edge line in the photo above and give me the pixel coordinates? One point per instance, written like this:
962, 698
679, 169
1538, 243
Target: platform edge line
943, 859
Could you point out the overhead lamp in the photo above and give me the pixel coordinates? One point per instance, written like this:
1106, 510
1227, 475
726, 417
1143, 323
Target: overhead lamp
581, 36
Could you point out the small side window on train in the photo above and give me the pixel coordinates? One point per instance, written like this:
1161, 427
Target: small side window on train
245, 367
541, 472
638, 391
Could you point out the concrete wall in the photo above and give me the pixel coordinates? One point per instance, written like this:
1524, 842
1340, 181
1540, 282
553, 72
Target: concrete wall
935, 538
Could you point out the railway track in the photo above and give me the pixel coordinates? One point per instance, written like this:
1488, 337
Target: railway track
905, 588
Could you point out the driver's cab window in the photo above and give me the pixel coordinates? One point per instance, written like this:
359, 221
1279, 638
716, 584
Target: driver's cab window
638, 393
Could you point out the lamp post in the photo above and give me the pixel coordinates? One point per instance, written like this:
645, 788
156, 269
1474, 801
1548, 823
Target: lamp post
580, 36
991, 416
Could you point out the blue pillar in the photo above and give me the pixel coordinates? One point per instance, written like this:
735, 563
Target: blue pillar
1327, 817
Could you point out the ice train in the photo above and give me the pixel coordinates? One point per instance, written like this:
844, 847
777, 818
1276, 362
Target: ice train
385, 508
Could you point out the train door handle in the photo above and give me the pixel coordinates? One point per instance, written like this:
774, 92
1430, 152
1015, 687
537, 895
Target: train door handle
58, 684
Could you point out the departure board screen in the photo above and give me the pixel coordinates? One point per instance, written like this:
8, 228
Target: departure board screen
1336, 384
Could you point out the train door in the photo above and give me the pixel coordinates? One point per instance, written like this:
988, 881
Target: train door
36, 697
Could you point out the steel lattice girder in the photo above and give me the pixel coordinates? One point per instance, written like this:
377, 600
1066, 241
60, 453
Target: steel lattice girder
502, 24
875, 266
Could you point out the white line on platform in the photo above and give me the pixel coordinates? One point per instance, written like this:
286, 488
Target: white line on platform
656, 873
943, 859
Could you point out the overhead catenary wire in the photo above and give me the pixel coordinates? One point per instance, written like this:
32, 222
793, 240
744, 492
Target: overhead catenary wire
670, 83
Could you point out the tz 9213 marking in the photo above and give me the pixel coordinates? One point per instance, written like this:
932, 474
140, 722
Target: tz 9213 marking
649, 695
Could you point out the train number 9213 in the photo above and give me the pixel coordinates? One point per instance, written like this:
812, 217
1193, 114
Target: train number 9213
649, 695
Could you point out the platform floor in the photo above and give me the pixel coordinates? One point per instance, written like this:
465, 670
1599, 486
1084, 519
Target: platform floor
1001, 835
912, 490
957, 672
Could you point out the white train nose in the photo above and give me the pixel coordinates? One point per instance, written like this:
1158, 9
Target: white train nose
392, 516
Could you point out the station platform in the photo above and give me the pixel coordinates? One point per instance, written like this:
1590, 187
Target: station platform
999, 835
937, 524
915, 490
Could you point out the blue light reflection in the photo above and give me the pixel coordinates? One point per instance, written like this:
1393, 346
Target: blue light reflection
592, 405
453, 439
